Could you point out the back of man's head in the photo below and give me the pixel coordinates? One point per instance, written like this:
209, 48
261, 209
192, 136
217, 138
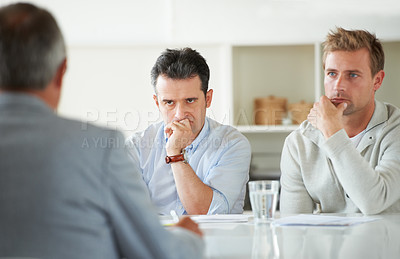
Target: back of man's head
31, 47
181, 64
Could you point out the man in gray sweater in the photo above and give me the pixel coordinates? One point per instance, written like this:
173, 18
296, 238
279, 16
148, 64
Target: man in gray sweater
346, 157
62, 194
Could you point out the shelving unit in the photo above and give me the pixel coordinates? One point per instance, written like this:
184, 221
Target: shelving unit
289, 71
260, 71
248, 129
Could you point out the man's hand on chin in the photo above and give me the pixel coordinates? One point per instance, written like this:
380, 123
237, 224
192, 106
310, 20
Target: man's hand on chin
327, 116
180, 135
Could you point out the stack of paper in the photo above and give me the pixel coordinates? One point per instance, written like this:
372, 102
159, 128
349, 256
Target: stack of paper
321, 220
221, 218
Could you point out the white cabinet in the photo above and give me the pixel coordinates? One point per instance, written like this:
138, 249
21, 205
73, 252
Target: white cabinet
260, 71
290, 71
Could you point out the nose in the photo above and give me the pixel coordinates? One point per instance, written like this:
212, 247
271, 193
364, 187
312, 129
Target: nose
339, 85
180, 112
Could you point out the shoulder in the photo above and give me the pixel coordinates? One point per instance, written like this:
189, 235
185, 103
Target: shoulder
386, 117
147, 135
227, 134
389, 129
393, 112
82, 143
75, 128
300, 131
304, 135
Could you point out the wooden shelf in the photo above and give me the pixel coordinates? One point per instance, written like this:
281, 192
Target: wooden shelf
266, 128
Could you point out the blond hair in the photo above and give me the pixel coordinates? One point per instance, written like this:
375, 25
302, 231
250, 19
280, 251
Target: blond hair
352, 40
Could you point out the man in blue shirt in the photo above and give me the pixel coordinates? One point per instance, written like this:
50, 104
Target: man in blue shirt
190, 163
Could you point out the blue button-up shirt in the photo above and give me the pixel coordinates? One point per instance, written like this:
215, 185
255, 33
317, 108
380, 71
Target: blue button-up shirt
220, 156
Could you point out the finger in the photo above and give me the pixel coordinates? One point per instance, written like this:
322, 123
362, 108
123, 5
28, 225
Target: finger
311, 117
168, 126
185, 122
183, 125
188, 223
324, 99
176, 125
168, 131
342, 106
313, 111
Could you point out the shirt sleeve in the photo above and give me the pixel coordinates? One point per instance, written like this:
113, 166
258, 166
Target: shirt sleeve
294, 196
229, 176
134, 220
372, 188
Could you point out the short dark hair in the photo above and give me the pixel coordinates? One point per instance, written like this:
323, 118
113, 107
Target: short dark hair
31, 47
181, 64
352, 40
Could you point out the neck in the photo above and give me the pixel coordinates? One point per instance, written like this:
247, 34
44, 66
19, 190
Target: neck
47, 96
357, 122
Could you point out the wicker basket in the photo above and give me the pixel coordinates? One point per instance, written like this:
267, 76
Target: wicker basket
299, 111
270, 110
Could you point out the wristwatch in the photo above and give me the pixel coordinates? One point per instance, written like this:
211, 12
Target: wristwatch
177, 158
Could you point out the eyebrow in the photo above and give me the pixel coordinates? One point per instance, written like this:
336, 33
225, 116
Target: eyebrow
348, 71
170, 100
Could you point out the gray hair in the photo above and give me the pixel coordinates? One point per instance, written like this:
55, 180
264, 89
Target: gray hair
32, 47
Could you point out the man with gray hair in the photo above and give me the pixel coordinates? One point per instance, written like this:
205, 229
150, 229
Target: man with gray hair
61, 196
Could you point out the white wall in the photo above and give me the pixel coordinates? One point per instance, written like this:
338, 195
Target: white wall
111, 85
112, 45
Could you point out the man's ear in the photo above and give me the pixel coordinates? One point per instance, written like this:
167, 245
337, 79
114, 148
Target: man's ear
209, 96
378, 79
156, 100
52, 93
58, 79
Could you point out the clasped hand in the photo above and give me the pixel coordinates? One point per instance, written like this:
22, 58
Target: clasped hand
327, 117
180, 135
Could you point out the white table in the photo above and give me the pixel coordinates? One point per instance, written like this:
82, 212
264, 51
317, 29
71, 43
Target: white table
378, 239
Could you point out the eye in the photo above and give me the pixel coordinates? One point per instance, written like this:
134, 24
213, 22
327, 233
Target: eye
331, 74
169, 103
353, 75
190, 100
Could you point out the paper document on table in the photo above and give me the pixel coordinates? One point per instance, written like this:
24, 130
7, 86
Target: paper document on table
321, 220
221, 218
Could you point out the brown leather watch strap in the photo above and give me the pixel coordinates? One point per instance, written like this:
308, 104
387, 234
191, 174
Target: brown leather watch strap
173, 159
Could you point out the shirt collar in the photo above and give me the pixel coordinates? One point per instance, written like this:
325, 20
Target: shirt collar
203, 133
380, 115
